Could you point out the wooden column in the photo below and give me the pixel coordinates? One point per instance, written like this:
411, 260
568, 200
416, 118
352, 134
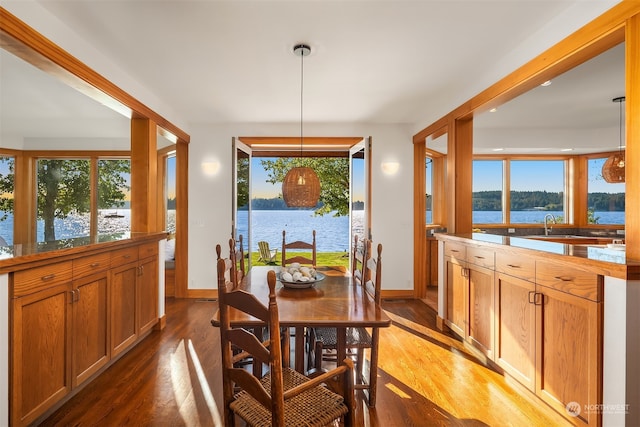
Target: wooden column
144, 169
459, 176
578, 177
632, 124
24, 202
421, 260
182, 216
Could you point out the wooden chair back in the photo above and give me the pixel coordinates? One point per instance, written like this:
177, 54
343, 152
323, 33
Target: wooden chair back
236, 253
373, 274
360, 255
298, 245
267, 352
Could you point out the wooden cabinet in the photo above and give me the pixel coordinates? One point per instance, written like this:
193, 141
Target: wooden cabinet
548, 333
70, 318
481, 311
469, 279
41, 336
147, 297
515, 328
122, 291
457, 285
90, 339
568, 339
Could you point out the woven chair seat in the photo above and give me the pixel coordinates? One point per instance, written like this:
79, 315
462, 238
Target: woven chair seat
318, 406
356, 337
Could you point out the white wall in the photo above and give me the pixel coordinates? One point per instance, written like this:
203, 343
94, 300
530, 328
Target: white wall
210, 197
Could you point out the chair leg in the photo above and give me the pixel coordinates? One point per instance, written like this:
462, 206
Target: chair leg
373, 368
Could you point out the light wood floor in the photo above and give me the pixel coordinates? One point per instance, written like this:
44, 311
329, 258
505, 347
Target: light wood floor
426, 378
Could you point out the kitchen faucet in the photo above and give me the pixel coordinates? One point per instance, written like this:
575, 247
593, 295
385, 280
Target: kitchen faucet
548, 217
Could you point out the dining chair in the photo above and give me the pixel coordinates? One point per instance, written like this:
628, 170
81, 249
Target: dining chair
324, 340
267, 255
298, 245
282, 396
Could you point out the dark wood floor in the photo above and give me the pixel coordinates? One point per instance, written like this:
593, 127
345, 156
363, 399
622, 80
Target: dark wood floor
426, 378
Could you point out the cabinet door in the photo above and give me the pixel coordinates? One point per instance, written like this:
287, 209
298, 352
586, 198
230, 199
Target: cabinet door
481, 314
148, 294
457, 284
90, 348
569, 352
122, 293
515, 323
40, 373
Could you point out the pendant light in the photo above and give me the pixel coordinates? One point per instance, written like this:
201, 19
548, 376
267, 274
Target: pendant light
613, 168
301, 186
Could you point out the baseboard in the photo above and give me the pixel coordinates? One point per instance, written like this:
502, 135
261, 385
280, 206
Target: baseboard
162, 323
202, 293
397, 294
440, 323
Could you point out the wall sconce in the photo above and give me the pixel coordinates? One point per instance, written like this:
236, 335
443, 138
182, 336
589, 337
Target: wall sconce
390, 168
210, 167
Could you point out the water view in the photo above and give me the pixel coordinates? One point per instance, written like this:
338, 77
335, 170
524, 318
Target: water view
332, 233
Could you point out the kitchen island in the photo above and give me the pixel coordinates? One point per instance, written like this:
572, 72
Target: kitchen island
72, 308
559, 318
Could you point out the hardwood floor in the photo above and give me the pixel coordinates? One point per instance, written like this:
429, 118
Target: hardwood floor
427, 378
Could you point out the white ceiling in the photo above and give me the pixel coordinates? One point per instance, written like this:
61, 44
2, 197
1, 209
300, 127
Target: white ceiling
372, 61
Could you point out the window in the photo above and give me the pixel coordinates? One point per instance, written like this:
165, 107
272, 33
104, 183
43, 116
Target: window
64, 204
7, 165
114, 197
487, 192
428, 189
605, 201
170, 186
536, 189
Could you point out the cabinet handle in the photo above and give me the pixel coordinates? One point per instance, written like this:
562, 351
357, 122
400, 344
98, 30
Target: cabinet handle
48, 277
532, 297
127, 256
77, 295
536, 298
478, 257
95, 264
455, 251
513, 266
564, 279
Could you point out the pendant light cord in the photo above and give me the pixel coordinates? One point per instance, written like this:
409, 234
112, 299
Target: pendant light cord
301, 97
620, 140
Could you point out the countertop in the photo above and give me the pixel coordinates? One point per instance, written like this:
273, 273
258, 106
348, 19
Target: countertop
594, 257
21, 256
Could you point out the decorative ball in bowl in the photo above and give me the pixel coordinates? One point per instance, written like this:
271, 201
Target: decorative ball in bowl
296, 276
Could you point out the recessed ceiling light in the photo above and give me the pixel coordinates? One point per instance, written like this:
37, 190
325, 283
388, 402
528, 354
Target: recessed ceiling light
547, 83
497, 149
567, 149
493, 110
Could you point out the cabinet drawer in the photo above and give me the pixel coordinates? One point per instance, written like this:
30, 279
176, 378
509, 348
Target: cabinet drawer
147, 250
569, 279
483, 257
36, 279
516, 265
124, 256
455, 250
92, 264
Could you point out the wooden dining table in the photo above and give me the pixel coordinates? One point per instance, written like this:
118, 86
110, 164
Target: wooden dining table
331, 302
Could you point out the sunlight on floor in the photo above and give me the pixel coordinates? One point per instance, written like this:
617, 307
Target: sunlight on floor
182, 386
397, 391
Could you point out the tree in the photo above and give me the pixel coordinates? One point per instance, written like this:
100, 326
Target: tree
6, 187
332, 172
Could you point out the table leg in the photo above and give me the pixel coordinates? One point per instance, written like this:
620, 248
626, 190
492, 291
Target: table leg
299, 351
286, 347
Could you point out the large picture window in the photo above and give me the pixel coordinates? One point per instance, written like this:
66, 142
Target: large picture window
605, 201
537, 189
487, 191
64, 189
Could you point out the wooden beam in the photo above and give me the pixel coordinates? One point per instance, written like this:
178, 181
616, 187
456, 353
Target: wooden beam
143, 175
182, 216
632, 124
420, 266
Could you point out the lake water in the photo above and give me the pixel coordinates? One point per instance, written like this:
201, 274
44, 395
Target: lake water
332, 233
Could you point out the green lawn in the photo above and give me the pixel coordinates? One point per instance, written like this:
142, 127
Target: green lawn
322, 258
